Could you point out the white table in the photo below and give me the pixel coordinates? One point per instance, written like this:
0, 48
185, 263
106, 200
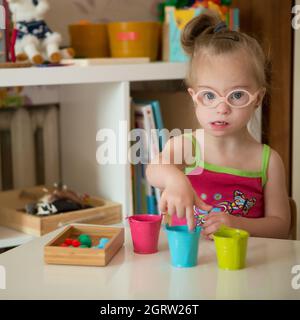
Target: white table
132, 276
11, 238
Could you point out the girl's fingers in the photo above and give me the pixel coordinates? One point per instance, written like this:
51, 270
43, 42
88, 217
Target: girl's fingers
163, 205
171, 209
180, 211
210, 220
214, 214
210, 237
202, 205
207, 231
190, 218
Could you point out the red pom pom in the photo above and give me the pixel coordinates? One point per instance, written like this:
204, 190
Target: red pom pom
68, 241
76, 243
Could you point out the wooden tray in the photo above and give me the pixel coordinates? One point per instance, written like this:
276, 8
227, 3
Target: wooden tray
54, 254
13, 215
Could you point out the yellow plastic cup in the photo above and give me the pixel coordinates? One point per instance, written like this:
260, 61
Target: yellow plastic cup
134, 39
89, 40
231, 248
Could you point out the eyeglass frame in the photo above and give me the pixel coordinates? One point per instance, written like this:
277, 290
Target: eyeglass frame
221, 99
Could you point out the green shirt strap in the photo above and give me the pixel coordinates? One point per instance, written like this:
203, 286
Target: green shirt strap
265, 163
196, 147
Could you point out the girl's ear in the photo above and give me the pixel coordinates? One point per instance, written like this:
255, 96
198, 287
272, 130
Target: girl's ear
261, 96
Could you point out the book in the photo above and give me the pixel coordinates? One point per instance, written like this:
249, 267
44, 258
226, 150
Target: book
236, 19
161, 138
150, 148
139, 182
151, 143
158, 122
2, 32
8, 27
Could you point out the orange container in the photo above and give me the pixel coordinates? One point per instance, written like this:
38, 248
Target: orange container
134, 39
89, 40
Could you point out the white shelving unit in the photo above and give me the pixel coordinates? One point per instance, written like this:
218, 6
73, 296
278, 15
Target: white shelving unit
68, 75
92, 98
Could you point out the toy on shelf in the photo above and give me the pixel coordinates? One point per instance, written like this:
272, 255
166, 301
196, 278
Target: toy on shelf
134, 39
12, 97
32, 39
172, 3
90, 40
178, 13
58, 200
175, 21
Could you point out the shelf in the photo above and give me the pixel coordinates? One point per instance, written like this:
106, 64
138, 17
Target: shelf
36, 76
93, 98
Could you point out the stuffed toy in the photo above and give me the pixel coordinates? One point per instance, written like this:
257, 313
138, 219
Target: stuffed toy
34, 40
57, 200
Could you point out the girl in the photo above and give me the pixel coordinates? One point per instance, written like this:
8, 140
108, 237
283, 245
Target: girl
231, 171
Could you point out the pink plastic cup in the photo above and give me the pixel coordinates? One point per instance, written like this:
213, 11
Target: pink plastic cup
145, 230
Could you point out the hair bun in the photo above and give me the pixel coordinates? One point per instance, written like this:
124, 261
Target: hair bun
198, 26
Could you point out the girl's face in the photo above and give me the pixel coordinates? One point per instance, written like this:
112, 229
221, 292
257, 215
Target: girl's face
222, 74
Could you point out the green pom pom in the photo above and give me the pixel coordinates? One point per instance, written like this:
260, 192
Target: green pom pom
83, 246
85, 240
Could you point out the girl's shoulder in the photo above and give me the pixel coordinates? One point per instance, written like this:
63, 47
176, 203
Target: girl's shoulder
275, 164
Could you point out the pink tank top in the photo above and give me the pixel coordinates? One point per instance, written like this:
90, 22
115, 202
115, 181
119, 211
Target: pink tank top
237, 192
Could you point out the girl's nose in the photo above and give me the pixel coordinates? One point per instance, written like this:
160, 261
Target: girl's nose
223, 108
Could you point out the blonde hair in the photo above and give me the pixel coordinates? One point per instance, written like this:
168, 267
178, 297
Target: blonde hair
206, 33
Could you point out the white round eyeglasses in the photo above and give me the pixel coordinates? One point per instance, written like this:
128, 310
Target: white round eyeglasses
236, 99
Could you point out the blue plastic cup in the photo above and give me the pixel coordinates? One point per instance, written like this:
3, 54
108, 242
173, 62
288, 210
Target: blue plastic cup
183, 245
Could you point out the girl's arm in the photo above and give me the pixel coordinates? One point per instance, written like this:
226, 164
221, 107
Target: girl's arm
276, 223
166, 173
166, 166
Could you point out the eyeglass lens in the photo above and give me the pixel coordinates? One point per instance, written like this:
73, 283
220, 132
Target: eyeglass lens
236, 98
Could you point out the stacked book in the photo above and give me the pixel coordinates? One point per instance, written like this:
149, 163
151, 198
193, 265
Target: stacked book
146, 116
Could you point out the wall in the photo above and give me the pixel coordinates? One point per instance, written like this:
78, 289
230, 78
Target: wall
63, 13
296, 127
270, 22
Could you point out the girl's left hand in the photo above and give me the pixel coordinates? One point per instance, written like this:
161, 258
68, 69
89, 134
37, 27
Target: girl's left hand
213, 221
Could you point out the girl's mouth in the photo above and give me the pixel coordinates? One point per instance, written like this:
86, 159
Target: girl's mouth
219, 124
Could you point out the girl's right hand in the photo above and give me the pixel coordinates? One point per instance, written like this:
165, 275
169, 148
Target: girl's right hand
179, 198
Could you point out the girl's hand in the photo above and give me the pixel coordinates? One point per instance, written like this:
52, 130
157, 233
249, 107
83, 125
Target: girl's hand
179, 198
213, 222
